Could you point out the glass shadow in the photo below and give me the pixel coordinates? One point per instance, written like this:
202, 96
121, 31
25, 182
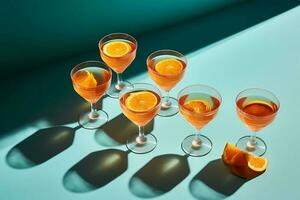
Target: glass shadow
96, 170
215, 181
116, 131
41, 146
160, 175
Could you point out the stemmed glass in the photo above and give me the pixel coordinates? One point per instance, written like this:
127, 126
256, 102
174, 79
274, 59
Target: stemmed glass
256, 108
90, 80
140, 103
198, 104
118, 50
166, 68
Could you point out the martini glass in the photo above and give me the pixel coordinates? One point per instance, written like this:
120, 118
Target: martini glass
166, 68
256, 108
140, 103
91, 79
118, 50
198, 104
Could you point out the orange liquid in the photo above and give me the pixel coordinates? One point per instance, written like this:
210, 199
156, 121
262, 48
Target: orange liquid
165, 82
119, 64
139, 118
200, 118
256, 112
91, 83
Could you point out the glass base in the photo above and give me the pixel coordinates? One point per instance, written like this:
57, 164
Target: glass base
115, 89
259, 148
138, 147
196, 148
169, 108
92, 123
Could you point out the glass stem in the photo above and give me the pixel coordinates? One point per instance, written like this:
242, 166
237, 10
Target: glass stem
166, 103
119, 85
251, 144
167, 97
196, 143
119, 78
93, 114
141, 139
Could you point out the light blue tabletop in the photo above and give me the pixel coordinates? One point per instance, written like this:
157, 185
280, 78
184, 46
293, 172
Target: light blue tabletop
266, 55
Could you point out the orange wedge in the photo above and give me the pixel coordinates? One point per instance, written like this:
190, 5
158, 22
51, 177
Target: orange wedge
198, 106
116, 48
230, 151
86, 79
242, 163
169, 66
141, 101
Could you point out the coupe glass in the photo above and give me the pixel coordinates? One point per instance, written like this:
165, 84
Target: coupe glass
118, 50
256, 108
198, 104
91, 79
166, 68
140, 103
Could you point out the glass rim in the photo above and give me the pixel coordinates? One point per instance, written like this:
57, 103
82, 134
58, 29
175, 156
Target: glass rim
117, 33
261, 89
73, 71
202, 85
183, 58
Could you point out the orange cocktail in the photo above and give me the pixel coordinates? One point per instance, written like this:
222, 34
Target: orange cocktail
118, 51
166, 68
91, 80
140, 103
256, 108
198, 104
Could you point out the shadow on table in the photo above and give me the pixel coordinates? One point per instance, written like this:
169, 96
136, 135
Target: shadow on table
215, 182
116, 131
96, 170
159, 175
46, 143
41, 146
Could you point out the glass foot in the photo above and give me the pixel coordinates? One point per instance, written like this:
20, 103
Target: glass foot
169, 108
196, 148
258, 148
89, 122
115, 89
142, 147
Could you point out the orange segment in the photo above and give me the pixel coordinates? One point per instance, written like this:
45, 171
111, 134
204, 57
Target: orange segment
116, 48
257, 164
169, 66
141, 101
86, 79
198, 106
242, 163
230, 151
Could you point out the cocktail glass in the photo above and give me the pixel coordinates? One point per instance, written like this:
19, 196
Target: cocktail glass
256, 108
91, 79
140, 103
198, 104
118, 50
166, 68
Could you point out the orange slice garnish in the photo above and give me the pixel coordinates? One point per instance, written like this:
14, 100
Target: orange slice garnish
116, 48
141, 101
86, 79
169, 66
243, 163
197, 105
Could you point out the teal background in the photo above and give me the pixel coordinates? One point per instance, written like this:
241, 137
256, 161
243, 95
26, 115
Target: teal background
221, 52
